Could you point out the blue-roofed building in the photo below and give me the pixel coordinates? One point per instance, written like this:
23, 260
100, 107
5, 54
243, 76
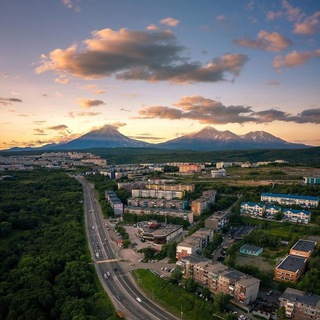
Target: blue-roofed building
272, 210
311, 180
252, 208
290, 199
251, 250
296, 215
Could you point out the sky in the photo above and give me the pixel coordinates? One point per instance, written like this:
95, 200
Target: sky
157, 70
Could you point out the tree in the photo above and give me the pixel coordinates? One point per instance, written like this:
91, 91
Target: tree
190, 285
206, 293
221, 301
281, 313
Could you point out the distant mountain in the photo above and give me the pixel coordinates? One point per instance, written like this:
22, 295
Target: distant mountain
208, 139
212, 139
106, 137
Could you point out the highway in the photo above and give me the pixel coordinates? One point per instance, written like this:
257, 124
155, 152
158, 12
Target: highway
118, 284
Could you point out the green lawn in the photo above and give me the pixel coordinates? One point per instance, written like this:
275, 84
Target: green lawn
172, 297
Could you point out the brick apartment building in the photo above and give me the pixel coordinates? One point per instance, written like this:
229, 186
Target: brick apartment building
219, 278
200, 204
194, 244
300, 305
303, 248
293, 266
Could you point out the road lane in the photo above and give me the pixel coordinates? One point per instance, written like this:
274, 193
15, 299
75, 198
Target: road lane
118, 284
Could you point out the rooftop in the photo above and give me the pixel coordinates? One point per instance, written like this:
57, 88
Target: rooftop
292, 263
250, 247
290, 196
304, 245
294, 295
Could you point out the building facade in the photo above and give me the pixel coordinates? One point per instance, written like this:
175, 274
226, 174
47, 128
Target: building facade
252, 208
311, 180
219, 278
300, 305
303, 248
115, 203
200, 204
217, 221
194, 244
297, 215
251, 250
289, 199
290, 269
190, 168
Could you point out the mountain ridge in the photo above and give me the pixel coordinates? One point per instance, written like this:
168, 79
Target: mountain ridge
207, 139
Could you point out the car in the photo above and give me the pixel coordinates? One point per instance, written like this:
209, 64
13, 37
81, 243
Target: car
108, 274
105, 275
269, 293
138, 299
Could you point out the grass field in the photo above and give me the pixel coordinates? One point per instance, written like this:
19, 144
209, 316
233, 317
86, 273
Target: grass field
172, 297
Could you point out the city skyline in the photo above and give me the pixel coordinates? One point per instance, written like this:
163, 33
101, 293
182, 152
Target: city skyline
157, 71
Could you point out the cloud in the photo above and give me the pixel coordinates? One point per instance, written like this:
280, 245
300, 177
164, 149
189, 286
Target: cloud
138, 55
270, 41
273, 83
201, 109
220, 18
147, 137
8, 101
170, 22
39, 132
118, 124
208, 111
272, 15
309, 116
58, 127
309, 25
294, 59
83, 114
89, 103
153, 27
62, 80
94, 89
39, 121
291, 12
70, 5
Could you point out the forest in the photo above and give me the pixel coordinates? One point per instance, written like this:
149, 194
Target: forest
45, 266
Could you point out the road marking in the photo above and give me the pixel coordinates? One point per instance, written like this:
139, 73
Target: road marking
106, 260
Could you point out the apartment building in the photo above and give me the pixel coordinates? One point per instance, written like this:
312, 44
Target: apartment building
297, 215
220, 165
217, 221
290, 269
115, 202
171, 187
303, 248
253, 208
190, 168
289, 199
218, 173
177, 213
200, 204
300, 305
194, 244
219, 278
165, 194
271, 210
